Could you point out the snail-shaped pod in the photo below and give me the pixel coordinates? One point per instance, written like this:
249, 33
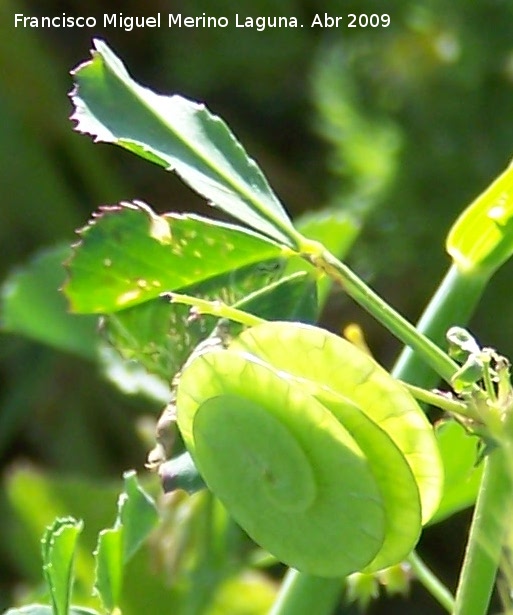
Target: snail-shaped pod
317, 452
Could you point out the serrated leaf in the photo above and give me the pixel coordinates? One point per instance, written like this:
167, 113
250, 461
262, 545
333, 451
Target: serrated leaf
481, 239
32, 305
35, 499
58, 548
160, 335
136, 517
129, 255
156, 338
137, 514
179, 135
109, 566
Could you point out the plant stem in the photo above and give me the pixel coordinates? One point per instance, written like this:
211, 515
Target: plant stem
486, 538
216, 308
435, 587
453, 304
453, 406
438, 360
303, 594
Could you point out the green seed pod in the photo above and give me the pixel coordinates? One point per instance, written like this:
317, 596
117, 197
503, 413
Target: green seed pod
323, 458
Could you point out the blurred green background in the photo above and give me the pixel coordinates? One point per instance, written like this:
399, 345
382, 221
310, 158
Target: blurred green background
401, 127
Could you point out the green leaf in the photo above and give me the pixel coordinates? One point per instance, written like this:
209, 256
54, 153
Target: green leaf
156, 337
159, 335
32, 305
179, 135
315, 450
137, 514
129, 255
36, 499
462, 473
109, 566
58, 548
293, 298
481, 239
137, 517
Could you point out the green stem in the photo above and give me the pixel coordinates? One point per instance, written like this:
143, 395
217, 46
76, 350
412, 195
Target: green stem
447, 404
303, 594
484, 546
203, 582
453, 304
216, 308
435, 587
383, 312
488, 383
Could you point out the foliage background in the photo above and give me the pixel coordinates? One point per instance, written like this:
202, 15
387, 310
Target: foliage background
401, 126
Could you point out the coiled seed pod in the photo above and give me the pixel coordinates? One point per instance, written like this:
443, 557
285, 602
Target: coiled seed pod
318, 453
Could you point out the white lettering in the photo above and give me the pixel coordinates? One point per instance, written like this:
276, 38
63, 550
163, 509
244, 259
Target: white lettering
261, 23
327, 22
174, 20
56, 21
201, 21
109, 21
129, 22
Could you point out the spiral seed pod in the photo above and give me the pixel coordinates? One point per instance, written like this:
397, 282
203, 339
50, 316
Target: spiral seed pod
323, 458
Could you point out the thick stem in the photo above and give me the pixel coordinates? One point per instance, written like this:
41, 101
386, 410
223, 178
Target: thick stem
428, 351
453, 304
303, 594
482, 558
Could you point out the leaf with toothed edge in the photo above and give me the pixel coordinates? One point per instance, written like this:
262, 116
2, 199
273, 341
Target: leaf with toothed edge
58, 551
160, 335
128, 255
179, 135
